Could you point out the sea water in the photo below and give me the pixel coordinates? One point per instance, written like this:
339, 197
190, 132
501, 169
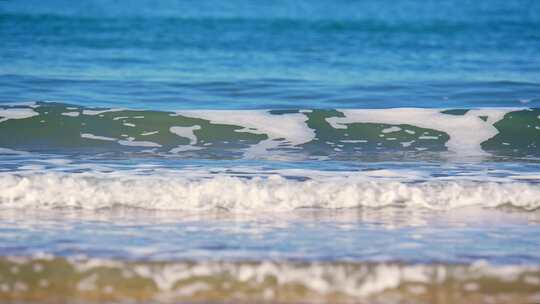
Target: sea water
278, 151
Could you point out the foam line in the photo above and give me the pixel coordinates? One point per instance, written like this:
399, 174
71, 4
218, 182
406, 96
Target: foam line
275, 193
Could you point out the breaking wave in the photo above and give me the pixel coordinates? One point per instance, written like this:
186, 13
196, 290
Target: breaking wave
231, 134
238, 194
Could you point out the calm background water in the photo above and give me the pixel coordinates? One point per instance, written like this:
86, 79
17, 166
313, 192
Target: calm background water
271, 54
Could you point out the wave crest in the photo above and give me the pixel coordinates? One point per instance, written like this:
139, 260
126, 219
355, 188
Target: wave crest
237, 194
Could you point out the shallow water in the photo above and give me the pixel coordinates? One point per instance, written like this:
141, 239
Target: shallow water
278, 152
378, 255
465, 235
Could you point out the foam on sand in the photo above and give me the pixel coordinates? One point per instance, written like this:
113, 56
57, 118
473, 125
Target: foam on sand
281, 282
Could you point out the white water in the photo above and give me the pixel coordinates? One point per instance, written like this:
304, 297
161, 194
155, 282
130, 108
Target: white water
290, 129
269, 194
16, 113
466, 132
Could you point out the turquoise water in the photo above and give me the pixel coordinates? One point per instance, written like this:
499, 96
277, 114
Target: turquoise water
275, 54
355, 146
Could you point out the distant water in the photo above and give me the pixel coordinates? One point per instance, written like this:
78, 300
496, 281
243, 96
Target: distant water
279, 151
275, 54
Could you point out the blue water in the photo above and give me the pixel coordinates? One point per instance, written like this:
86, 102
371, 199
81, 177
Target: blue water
274, 54
462, 236
95, 162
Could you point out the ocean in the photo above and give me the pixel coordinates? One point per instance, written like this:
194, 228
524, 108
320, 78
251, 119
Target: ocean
269, 151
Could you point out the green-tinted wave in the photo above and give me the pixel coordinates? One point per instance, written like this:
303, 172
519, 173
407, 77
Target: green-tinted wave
323, 134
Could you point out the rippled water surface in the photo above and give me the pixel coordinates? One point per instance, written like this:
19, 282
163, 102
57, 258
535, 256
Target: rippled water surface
282, 54
278, 151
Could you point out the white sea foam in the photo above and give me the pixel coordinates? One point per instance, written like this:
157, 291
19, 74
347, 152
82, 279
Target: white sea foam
71, 114
96, 137
184, 148
391, 130
462, 141
133, 143
290, 129
187, 132
407, 143
16, 113
274, 193
98, 112
354, 141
